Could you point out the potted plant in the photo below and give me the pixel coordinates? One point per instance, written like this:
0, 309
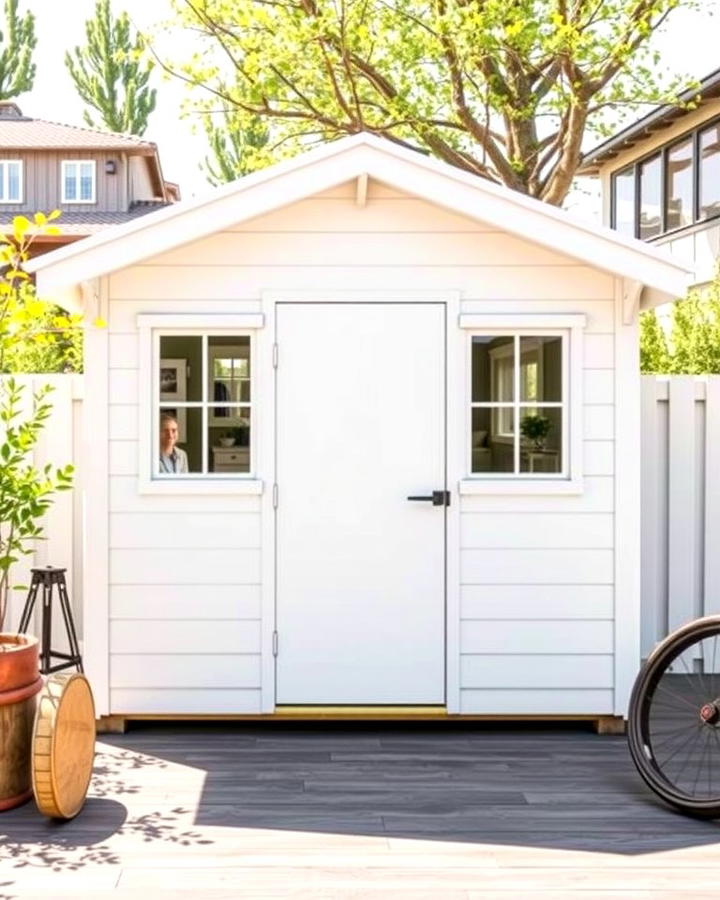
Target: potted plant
25, 495
536, 429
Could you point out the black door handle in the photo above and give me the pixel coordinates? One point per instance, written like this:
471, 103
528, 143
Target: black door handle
437, 498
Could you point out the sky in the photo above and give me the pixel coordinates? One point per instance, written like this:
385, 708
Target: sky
689, 44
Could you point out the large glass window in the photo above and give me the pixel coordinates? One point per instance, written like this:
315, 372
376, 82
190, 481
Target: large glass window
203, 405
10, 181
679, 185
709, 149
518, 409
78, 181
650, 197
624, 202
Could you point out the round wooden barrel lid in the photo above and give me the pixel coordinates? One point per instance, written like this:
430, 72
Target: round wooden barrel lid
63, 745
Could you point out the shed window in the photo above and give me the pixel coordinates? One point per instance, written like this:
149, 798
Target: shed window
203, 405
78, 181
11, 173
519, 414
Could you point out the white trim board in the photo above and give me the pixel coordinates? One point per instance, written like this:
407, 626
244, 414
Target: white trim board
346, 160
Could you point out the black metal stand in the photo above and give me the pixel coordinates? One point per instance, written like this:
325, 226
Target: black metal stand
47, 579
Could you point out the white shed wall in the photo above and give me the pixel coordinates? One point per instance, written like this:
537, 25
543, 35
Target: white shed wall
536, 626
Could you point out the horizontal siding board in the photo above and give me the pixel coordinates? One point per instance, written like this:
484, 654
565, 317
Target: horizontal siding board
597, 497
562, 530
517, 637
540, 702
599, 314
532, 601
200, 566
599, 351
123, 422
124, 497
181, 601
599, 386
123, 457
400, 214
123, 313
509, 282
145, 670
599, 423
123, 351
514, 566
188, 701
378, 248
173, 530
197, 636
599, 457
557, 671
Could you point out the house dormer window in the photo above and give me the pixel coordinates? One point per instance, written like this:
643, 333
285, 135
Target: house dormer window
11, 178
78, 181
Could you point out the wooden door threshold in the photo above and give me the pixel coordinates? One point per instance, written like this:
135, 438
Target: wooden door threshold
359, 712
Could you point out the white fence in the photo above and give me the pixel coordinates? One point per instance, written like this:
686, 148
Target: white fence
59, 444
680, 502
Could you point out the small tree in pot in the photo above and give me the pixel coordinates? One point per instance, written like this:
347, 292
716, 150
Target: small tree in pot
536, 429
25, 495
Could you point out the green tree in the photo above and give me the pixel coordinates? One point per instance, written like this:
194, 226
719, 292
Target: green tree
111, 73
236, 149
654, 354
505, 89
17, 42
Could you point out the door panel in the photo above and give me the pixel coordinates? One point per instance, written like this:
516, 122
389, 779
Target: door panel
360, 569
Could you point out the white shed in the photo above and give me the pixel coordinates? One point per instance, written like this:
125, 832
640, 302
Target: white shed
409, 404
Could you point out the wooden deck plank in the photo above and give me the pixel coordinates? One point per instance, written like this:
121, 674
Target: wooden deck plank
345, 811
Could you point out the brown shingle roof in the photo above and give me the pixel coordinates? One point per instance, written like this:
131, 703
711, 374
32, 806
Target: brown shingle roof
19, 132
92, 221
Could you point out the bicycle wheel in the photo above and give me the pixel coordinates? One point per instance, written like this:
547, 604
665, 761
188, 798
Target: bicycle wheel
674, 719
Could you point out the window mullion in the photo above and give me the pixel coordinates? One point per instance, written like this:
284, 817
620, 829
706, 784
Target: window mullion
516, 406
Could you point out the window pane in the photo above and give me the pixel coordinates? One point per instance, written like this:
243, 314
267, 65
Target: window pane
229, 447
86, 181
14, 181
180, 441
710, 172
492, 369
624, 199
679, 185
70, 182
181, 368
650, 192
489, 451
229, 373
541, 439
541, 369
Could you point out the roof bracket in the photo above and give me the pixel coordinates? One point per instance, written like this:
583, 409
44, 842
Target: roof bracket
631, 300
361, 189
91, 298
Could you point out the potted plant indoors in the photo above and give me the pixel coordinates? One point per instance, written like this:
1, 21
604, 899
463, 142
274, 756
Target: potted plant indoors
535, 428
25, 495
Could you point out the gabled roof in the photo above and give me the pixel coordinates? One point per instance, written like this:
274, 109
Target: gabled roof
19, 132
339, 162
654, 121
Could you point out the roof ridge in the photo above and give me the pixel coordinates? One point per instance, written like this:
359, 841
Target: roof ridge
133, 138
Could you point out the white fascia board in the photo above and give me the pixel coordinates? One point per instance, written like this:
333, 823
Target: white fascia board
334, 164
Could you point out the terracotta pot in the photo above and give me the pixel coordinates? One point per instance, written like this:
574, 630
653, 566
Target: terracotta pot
20, 683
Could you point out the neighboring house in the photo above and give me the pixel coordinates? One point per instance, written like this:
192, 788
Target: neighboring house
95, 178
660, 178
350, 344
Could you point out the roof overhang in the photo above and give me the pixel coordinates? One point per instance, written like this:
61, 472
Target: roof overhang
341, 161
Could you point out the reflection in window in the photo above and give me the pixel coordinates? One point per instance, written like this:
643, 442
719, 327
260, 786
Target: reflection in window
650, 198
511, 433
204, 407
709, 204
624, 201
679, 185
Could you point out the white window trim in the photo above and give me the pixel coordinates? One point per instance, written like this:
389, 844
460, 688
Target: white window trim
530, 324
150, 327
6, 180
78, 162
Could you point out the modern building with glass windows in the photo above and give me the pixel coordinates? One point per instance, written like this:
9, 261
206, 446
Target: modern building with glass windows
660, 177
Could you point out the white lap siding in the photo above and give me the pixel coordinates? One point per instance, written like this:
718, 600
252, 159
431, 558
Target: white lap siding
536, 572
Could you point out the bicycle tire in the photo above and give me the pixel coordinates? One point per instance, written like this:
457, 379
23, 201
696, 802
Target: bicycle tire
674, 714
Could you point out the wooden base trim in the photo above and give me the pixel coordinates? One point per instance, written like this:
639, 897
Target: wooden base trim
117, 723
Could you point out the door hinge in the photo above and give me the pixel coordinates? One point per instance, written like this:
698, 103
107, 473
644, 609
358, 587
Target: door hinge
275, 356
275, 496
275, 643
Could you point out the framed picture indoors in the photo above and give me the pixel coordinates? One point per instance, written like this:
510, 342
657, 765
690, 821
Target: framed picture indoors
173, 389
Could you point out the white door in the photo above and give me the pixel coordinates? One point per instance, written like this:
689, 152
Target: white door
360, 568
